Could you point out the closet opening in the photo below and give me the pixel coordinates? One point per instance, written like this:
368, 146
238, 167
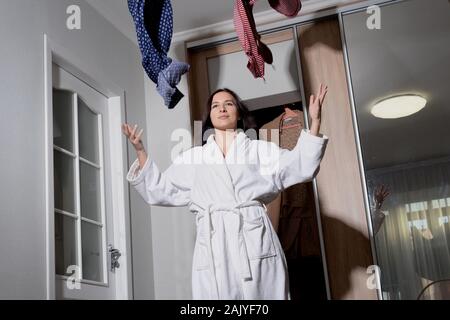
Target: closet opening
293, 212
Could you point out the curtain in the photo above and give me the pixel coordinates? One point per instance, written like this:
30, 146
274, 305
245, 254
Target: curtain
412, 245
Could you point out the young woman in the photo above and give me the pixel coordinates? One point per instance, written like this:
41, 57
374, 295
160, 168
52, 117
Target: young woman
226, 183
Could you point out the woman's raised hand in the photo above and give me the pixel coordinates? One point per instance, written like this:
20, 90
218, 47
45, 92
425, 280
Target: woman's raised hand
380, 194
315, 109
315, 103
133, 136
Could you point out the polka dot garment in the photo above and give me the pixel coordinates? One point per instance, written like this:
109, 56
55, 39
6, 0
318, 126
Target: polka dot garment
153, 20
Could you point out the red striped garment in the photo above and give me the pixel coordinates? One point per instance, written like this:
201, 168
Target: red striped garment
290, 8
244, 23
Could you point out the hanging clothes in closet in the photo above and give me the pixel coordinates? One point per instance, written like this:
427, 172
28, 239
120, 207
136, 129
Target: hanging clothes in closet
244, 23
293, 216
293, 212
154, 27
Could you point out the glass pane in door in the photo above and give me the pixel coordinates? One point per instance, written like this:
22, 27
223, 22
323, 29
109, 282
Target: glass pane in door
91, 239
64, 184
90, 192
65, 243
63, 119
88, 132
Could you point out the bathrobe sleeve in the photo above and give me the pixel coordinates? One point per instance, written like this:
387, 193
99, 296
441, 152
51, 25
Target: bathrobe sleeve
169, 188
301, 164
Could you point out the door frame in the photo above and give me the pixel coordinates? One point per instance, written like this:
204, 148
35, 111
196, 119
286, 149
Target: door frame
66, 59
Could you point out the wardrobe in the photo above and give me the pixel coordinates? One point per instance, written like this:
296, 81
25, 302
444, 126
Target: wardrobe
328, 223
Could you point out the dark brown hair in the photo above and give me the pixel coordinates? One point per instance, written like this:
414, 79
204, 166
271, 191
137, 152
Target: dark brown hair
246, 119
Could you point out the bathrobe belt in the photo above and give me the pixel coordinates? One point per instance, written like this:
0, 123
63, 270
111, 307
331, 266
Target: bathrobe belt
244, 262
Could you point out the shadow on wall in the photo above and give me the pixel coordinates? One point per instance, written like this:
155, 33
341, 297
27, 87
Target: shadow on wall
351, 265
305, 70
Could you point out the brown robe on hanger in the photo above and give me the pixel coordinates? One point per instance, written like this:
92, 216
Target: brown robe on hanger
293, 212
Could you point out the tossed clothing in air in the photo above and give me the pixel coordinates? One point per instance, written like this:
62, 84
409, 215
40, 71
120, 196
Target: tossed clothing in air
244, 23
154, 27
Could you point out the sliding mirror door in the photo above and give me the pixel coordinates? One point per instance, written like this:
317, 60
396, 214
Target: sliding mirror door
400, 78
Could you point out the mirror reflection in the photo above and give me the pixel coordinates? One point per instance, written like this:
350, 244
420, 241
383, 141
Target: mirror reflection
400, 77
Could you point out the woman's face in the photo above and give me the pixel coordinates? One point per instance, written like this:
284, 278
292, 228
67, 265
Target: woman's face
224, 113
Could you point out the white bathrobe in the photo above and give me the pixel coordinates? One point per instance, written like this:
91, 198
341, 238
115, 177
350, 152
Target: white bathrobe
237, 253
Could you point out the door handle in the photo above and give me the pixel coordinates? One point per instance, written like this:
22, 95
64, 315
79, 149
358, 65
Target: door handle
114, 256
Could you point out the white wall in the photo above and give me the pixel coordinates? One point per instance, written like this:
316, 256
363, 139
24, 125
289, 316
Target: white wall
173, 229
22, 206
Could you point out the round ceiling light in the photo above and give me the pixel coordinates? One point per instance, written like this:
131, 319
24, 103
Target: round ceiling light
398, 106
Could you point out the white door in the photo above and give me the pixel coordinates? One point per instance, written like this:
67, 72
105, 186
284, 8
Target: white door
82, 190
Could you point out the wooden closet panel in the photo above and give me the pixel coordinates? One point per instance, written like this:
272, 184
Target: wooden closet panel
341, 201
198, 88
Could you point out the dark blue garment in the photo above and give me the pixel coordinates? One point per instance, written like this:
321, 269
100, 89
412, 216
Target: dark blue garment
154, 27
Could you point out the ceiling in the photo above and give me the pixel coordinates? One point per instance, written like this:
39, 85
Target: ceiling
409, 54
116, 12
188, 14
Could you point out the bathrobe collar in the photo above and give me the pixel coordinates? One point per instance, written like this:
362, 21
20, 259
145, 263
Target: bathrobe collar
237, 140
